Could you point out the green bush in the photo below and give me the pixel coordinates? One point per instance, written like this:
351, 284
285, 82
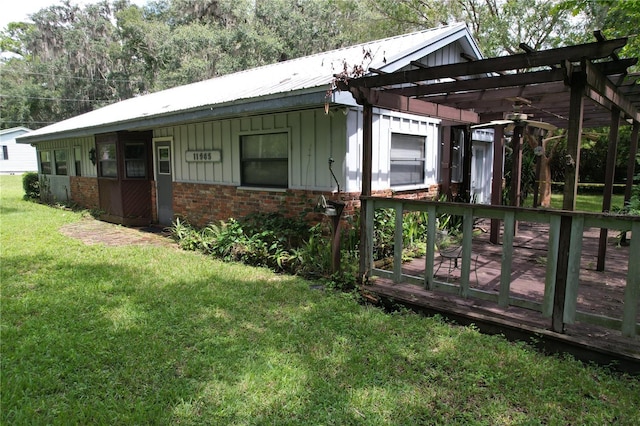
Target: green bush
260, 239
290, 245
31, 185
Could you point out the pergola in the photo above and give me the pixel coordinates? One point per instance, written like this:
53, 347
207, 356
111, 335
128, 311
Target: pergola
574, 87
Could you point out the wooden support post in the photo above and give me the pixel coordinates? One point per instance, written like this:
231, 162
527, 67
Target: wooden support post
536, 187
516, 166
608, 183
465, 189
557, 315
496, 180
445, 164
633, 151
632, 289
631, 166
367, 148
335, 240
574, 134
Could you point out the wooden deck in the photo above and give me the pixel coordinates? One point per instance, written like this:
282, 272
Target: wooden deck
599, 294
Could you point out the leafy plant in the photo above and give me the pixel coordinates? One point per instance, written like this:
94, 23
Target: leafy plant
31, 185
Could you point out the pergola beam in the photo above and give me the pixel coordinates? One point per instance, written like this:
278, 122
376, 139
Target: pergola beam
531, 60
413, 106
607, 92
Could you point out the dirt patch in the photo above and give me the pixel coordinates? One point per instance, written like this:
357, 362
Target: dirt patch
91, 231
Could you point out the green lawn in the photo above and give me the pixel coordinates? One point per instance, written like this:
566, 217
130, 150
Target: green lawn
589, 202
149, 335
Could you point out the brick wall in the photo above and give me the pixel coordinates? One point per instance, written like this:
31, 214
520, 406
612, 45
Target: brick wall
201, 204
84, 191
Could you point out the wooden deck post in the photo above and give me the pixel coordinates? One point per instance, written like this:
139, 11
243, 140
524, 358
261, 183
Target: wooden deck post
608, 182
445, 164
516, 166
496, 180
633, 151
574, 134
367, 148
465, 188
631, 166
557, 316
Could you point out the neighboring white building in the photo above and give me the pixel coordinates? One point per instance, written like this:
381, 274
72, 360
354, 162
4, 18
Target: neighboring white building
263, 139
16, 158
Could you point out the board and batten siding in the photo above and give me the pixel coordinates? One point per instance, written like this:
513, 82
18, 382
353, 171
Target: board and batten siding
385, 123
59, 185
314, 137
84, 144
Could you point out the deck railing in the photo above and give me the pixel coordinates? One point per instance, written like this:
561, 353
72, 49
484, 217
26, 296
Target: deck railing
564, 249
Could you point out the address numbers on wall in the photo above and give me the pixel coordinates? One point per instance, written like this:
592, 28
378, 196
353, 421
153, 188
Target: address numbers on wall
202, 156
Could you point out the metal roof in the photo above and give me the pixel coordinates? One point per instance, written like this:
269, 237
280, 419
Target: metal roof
310, 74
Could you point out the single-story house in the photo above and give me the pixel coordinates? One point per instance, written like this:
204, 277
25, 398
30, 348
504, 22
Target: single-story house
16, 158
272, 138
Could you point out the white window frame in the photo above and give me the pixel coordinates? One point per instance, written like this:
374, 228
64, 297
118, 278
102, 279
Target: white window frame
422, 159
243, 160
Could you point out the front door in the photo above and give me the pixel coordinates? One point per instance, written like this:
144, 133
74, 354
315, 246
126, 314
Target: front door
164, 181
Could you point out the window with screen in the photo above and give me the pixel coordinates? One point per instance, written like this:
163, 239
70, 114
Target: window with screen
407, 159
107, 161
5, 153
265, 160
60, 159
135, 160
164, 160
77, 152
45, 162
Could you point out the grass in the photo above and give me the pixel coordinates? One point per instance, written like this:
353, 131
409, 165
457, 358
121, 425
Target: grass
589, 202
151, 335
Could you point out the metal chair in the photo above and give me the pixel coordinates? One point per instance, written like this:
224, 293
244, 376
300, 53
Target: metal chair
451, 251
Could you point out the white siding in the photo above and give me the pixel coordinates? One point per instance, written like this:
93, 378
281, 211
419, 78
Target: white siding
314, 137
85, 144
384, 124
21, 157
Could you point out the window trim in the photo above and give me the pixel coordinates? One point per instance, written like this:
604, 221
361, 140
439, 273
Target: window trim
142, 160
100, 161
423, 160
242, 161
77, 160
48, 153
56, 162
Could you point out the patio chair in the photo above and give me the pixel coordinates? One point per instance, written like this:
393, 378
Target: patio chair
450, 251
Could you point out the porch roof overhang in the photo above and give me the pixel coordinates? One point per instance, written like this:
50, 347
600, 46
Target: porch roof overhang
484, 90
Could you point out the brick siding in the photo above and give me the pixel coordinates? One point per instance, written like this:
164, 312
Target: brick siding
84, 191
201, 204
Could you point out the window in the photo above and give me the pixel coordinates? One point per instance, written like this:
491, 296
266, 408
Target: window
45, 162
135, 160
407, 159
5, 153
164, 160
77, 152
60, 159
265, 160
107, 162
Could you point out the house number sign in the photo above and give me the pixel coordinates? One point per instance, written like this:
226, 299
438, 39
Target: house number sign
202, 156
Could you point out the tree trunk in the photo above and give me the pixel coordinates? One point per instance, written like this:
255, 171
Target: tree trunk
544, 186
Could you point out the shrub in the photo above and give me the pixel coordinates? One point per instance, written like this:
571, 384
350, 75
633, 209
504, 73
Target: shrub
31, 185
290, 245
